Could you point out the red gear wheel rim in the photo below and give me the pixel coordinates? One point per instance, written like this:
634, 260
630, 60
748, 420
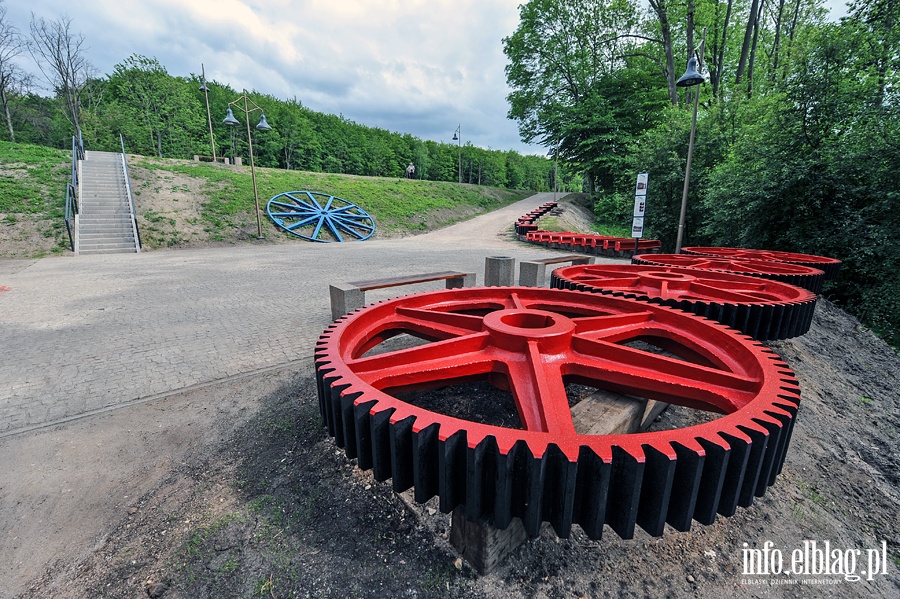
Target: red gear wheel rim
830, 266
792, 274
536, 339
761, 308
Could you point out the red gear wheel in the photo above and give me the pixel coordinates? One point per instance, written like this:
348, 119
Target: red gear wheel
830, 266
792, 274
533, 341
761, 308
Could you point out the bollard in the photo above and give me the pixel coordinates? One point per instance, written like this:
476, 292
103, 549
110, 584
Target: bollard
499, 271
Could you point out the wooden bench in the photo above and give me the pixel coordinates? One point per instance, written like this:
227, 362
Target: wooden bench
348, 297
533, 273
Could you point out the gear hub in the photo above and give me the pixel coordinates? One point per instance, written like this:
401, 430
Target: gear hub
533, 342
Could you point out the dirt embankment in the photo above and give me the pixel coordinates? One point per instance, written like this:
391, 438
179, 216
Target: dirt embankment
267, 506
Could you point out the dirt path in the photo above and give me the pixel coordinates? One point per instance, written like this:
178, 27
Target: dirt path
233, 489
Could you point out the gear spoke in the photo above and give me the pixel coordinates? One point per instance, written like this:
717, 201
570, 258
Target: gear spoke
329, 220
448, 323
441, 360
662, 377
540, 394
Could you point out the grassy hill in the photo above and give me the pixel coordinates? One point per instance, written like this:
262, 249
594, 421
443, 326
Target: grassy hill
181, 203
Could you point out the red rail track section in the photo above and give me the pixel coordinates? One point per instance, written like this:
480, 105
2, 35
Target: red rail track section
792, 274
592, 244
830, 266
525, 223
532, 342
760, 308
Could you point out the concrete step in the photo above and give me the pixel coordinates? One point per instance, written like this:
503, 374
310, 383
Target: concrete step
106, 244
89, 251
109, 211
105, 219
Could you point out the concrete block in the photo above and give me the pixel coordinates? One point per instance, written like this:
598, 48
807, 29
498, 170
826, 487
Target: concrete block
532, 274
345, 298
499, 271
467, 280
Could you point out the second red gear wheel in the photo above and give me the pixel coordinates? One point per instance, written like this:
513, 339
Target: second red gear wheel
761, 308
533, 342
792, 274
830, 266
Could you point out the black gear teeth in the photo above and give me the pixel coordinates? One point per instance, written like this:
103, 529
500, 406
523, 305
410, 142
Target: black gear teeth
764, 322
688, 481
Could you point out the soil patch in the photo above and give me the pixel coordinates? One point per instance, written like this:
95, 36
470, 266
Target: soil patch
264, 504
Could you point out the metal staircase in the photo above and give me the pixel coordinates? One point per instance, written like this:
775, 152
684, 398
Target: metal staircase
105, 222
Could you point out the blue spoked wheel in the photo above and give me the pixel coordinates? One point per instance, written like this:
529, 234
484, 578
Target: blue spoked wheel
319, 216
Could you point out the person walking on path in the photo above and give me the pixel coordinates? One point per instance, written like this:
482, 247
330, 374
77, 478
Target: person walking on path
410, 171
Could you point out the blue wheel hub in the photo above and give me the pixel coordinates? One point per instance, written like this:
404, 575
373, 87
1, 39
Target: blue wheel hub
320, 217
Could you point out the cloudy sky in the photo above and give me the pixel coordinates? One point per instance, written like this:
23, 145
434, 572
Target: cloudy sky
418, 66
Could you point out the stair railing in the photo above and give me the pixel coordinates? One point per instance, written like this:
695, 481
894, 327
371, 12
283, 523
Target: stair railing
134, 226
72, 187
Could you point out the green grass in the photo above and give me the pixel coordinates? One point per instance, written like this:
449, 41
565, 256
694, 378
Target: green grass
399, 206
612, 230
33, 190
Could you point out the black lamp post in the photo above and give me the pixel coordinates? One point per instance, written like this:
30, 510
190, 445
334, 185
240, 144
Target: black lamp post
262, 126
457, 137
205, 90
691, 78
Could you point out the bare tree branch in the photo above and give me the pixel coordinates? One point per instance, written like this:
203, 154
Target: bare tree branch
59, 54
12, 77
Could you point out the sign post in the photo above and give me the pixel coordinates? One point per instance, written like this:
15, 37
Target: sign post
640, 206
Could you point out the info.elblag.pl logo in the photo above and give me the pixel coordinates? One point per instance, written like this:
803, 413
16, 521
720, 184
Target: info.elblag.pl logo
813, 562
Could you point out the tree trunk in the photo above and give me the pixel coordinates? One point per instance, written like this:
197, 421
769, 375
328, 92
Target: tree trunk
5, 100
719, 57
689, 28
748, 38
752, 59
659, 7
775, 44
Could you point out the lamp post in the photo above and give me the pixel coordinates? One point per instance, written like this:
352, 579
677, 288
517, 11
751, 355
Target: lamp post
691, 78
262, 126
205, 90
457, 137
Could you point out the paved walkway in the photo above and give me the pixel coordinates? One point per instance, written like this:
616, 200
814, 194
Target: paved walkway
86, 334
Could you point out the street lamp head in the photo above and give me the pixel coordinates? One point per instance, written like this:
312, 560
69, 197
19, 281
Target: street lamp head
203, 87
263, 125
229, 119
455, 138
692, 76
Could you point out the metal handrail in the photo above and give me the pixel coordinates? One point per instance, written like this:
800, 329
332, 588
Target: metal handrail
137, 232
72, 186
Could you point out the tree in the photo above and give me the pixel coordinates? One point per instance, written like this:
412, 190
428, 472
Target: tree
572, 68
164, 115
12, 78
59, 54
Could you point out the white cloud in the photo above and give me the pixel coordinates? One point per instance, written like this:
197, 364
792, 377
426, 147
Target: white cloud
416, 66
